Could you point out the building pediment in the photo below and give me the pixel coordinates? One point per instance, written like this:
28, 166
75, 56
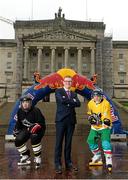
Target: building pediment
59, 35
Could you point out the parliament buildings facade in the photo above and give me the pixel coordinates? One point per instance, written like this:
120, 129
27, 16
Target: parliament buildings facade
48, 45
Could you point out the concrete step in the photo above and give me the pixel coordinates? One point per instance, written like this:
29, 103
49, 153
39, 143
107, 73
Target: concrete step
47, 108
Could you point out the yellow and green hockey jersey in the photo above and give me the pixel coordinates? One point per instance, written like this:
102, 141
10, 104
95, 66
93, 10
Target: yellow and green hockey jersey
103, 108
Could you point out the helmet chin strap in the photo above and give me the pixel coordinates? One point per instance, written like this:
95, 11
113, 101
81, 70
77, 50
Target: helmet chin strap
98, 102
26, 110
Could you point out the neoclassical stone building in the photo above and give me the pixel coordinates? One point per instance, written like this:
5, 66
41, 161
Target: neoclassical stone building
48, 45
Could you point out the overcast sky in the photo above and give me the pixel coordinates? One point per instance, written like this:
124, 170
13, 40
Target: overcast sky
112, 12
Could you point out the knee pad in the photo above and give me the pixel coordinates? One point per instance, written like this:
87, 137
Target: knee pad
106, 145
93, 146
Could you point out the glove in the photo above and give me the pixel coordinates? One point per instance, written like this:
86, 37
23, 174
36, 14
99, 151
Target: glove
92, 120
15, 132
36, 128
107, 122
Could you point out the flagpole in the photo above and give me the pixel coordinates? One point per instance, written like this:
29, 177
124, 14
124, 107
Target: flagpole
86, 10
32, 10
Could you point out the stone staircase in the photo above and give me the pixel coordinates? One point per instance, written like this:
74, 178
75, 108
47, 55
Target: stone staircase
5, 111
49, 110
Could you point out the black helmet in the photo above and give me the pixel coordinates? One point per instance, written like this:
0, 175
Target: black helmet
97, 92
25, 98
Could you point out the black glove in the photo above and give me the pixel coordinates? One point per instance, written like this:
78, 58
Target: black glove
92, 120
15, 132
107, 122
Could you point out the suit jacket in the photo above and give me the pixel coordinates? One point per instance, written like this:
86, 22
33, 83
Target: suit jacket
66, 106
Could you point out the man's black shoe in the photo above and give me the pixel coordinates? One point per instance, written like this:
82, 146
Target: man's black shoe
58, 169
70, 167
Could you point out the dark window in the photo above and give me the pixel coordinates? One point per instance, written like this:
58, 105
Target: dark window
46, 66
47, 54
72, 54
59, 65
120, 56
9, 54
121, 81
34, 54
84, 65
59, 54
9, 65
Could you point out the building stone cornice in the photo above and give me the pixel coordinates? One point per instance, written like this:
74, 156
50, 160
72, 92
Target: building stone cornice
33, 23
59, 34
8, 43
120, 44
59, 22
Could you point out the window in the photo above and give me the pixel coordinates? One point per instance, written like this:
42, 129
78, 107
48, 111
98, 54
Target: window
8, 77
84, 65
121, 67
72, 54
59, 65
34, 53
9, 65
47, 54
122, 79
9, 54
8, 81
46, 66
72, 66
120, 56
59, 54
123, 94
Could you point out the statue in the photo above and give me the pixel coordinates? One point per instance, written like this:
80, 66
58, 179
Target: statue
59, 12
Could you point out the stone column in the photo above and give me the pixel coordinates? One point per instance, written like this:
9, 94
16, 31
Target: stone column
66, 57
92, 61
79, 60
26, 56
19, 67
39, 59
53, 59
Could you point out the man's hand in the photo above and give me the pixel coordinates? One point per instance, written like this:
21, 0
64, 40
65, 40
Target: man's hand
35, 129
107, 122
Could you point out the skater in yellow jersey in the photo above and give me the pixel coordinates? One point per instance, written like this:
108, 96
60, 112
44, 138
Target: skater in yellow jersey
99, 117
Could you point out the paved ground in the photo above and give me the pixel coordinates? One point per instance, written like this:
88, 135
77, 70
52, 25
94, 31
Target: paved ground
80, 156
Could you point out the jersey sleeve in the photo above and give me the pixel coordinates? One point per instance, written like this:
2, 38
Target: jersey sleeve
107, 111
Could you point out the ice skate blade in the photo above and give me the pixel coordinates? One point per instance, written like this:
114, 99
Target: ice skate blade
24, 164
109, 169
99, 163
37, 166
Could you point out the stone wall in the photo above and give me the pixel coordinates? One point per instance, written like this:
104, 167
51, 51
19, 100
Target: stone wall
107, 66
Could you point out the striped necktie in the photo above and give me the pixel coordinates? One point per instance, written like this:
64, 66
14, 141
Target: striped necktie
68, 93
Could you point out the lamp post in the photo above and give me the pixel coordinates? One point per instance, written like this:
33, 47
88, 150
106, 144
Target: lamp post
5, 92
113, 93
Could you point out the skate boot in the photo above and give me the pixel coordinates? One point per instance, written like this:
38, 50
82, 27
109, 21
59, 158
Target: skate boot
37, 161
109, 163
25, 160
96, 161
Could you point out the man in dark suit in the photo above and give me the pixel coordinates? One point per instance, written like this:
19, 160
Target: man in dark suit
65, 123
